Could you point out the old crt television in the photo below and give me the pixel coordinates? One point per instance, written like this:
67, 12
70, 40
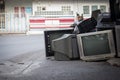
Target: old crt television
65, 47
49, 35
117, 33
87, 25
96, 45
115, 10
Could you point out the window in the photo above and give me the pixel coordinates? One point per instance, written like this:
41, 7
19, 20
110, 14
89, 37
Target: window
66, 8
2, 21
103, 8
86, 10
40, 8
95, 7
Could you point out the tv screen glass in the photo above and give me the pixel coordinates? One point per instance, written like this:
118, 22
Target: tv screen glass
96, 45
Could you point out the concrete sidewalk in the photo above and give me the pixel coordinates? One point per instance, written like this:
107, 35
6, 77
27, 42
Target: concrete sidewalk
34, 32
38, 67
21, 64
35, 66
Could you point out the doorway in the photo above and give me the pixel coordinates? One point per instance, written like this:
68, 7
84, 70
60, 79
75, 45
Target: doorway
2, 14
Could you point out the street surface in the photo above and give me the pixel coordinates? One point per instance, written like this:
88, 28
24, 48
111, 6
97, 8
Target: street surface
22, 57
14, 45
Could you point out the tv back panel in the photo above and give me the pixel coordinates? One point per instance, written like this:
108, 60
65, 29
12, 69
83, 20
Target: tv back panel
49, 35
96, 45
87, 25
65, 47
117, 31
95, 13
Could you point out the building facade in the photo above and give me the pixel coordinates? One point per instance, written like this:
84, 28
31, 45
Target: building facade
23, 15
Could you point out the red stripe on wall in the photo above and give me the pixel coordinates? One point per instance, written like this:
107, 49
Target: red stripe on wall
49, 27
37, 21
66, 20
43, 20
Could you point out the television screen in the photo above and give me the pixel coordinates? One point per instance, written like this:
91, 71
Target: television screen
49, 35
96, 45
65, 47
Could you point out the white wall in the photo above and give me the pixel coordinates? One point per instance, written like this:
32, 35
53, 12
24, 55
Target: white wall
16, 24
51, 5
54, 5
82, 3
10, 4
76, 5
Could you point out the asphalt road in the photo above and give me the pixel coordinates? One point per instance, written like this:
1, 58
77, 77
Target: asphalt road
47, 68
15, 45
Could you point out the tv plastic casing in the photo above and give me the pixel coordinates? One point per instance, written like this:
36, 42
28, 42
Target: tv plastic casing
49, 35
100, 56
65, 47
117, 32
115, 10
